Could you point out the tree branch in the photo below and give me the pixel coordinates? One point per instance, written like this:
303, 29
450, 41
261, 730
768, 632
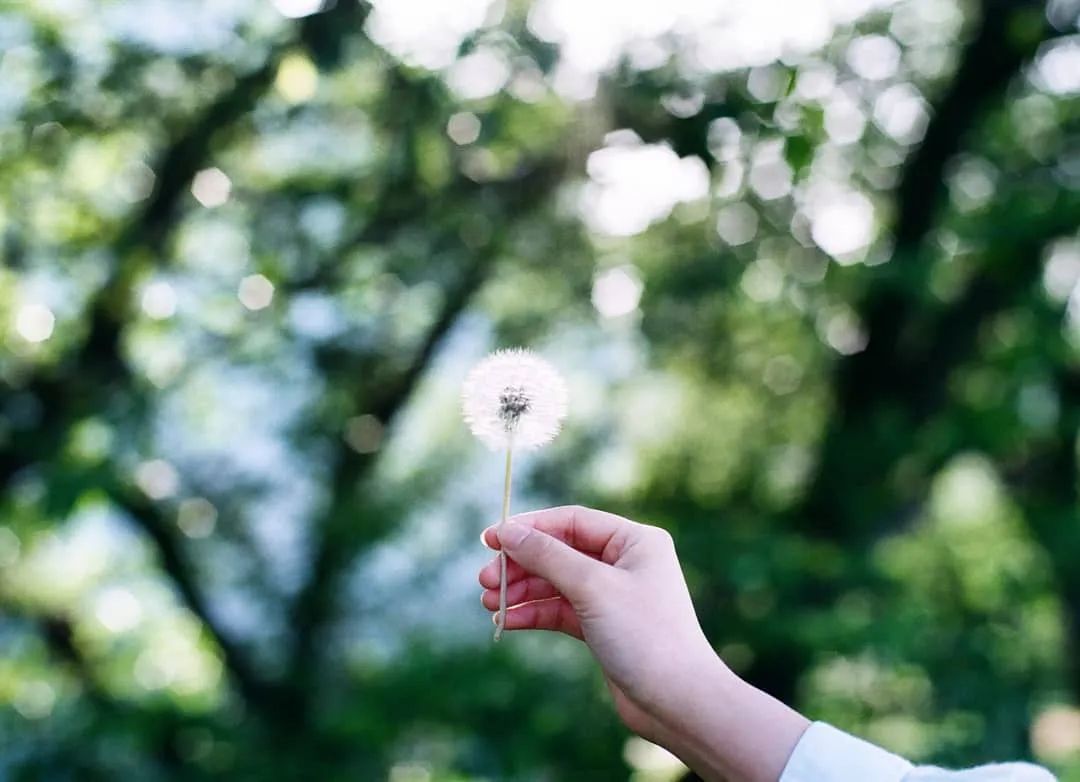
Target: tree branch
893, 385
87, 379
336, 538
98, 357
58, 634
852, 499
889, 391
254, 688
846, 500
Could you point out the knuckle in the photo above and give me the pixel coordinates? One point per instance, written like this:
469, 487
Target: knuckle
664, 537
657, 537
575, 514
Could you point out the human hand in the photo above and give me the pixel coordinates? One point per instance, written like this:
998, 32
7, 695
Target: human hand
617, 585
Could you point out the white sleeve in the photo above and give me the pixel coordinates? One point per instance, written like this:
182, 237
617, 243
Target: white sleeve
826, 754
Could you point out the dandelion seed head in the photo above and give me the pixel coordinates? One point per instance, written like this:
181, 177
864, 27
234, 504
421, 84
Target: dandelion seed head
513, 403
514, 397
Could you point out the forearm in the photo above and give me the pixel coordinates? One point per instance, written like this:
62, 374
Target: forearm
729, 731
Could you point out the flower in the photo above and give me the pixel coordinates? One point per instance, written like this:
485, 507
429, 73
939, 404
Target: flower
514, 398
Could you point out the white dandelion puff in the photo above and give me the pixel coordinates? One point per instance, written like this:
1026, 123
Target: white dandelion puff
513, 399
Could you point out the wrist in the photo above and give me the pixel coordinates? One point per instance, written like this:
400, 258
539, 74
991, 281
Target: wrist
702, 681
726, 729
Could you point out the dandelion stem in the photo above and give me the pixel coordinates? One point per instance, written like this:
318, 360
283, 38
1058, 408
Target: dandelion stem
501, 622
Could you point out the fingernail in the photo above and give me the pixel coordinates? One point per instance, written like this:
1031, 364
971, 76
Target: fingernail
484, 540
511, 533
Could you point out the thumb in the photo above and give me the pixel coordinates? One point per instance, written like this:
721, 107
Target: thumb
566, 568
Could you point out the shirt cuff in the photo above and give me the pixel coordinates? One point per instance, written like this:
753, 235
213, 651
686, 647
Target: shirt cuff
825, 754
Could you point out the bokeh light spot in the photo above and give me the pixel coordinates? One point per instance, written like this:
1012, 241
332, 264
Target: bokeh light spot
1057, 67
815, 81
1062, 270
617, 291
255, 292
770, 174
295, 9
901, 112
117, 610
34, 700
157, 478
842, 331
842, 224
35, 322
463, 128
737, 224
297, 78
196, 517
211, 187
159, 300
364, 433
137, 182
1055, 734
633, 184
651, 762
762, 281
422, 32
874, 57
844, 120
478, 75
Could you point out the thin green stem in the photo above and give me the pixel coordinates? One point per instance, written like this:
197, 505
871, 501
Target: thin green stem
501, 621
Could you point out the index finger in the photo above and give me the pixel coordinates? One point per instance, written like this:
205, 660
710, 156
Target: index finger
588, 530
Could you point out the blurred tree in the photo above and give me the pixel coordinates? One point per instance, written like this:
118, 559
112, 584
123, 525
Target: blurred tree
817, 324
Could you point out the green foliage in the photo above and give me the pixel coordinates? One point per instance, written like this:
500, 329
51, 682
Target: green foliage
815, 300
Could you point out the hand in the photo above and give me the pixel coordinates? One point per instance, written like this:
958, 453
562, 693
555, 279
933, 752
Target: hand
617, 585
612, 583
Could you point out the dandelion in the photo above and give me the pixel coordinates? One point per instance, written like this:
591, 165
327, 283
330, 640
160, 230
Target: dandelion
513, 399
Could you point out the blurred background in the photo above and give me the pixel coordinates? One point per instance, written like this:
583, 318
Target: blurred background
810, 269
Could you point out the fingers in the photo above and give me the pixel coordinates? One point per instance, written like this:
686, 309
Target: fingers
523, 591
489, 574
570, 571
585, 529
553, 614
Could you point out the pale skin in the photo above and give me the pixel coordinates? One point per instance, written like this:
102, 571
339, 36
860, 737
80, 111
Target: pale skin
616, 585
